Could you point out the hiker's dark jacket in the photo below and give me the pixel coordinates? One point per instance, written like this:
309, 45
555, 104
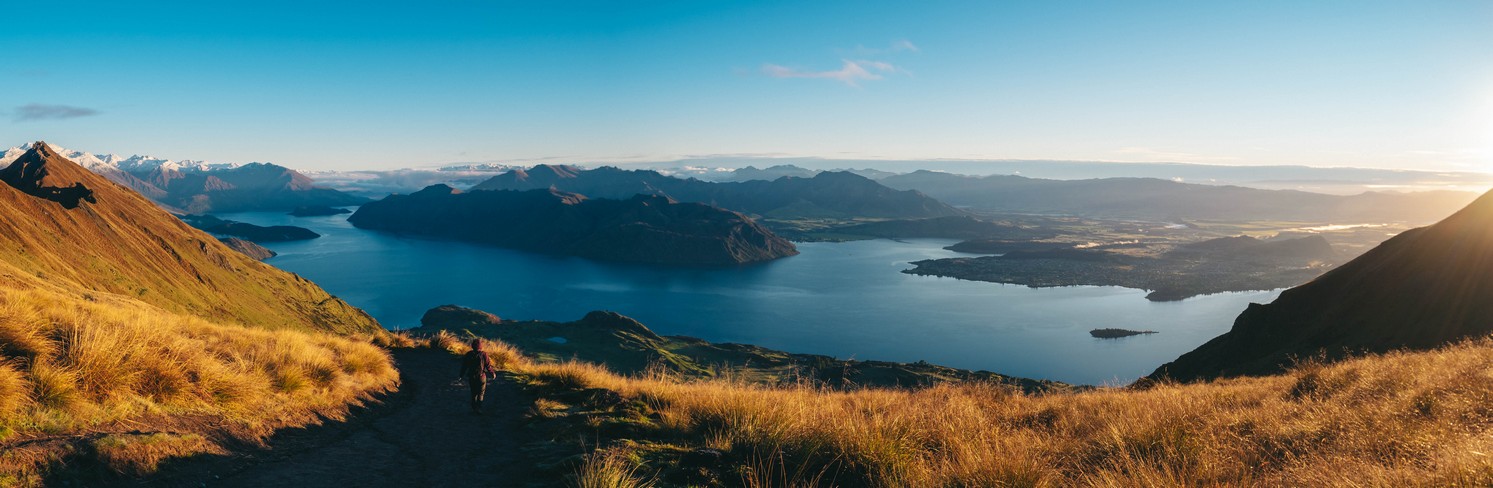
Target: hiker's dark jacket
476, 365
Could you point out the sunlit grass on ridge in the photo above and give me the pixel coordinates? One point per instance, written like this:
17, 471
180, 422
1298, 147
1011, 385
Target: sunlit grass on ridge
138, 384
1399, 419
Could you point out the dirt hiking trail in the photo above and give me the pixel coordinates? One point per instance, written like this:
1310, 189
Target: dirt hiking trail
422, 435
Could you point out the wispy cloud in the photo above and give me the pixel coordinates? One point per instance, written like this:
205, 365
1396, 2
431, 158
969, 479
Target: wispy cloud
851, 72
38, 111
897, 46
856, 66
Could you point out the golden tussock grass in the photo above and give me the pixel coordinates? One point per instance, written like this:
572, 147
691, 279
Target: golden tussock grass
1400, 419
610, 468
146, 384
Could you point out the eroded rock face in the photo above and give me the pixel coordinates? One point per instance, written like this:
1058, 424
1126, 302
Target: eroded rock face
1419, 290
642, 229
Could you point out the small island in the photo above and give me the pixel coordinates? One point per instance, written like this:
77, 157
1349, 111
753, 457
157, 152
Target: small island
256, 233
1117, 333
318, 211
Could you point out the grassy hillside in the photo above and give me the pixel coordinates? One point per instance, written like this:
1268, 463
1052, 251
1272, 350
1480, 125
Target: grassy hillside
1401, 419
127, 337
126, 245
92, 380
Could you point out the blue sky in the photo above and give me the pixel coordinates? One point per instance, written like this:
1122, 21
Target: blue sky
393, 84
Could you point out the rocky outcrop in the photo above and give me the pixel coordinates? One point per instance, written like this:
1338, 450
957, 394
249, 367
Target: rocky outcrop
642, 229
1418, 290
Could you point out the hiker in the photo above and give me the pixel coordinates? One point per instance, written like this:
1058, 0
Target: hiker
476, 368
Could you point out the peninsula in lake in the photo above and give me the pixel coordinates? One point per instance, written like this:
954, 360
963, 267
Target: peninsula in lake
1225, 264
642, 229
629, 347
256, 233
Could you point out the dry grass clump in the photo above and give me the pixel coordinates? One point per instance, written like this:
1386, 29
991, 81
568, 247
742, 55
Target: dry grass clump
609, 468
1400, 419
106, 365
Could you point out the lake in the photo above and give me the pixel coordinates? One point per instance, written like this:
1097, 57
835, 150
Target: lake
848, 300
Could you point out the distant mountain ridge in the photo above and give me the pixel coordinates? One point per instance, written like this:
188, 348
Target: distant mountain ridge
642, 229
1150, 198
825, 195
197, 186
1418, 290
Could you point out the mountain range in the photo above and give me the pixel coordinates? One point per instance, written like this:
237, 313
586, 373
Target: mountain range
1157, 199
825, 195
641, 229
1332, 180
199, 187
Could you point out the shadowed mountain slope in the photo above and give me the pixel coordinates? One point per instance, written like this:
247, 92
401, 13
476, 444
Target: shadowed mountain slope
95, 235
642, 229
1419, 290
254, 186
827, 194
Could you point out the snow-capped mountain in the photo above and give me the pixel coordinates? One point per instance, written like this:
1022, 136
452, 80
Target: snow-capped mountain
132, 164
198, 186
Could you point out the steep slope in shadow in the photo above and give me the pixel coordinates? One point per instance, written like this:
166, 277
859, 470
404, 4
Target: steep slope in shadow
1418, 290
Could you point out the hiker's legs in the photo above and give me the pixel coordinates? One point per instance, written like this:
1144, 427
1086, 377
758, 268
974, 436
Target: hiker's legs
478, 387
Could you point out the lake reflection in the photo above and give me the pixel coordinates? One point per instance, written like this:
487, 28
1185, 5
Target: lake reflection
840, 299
